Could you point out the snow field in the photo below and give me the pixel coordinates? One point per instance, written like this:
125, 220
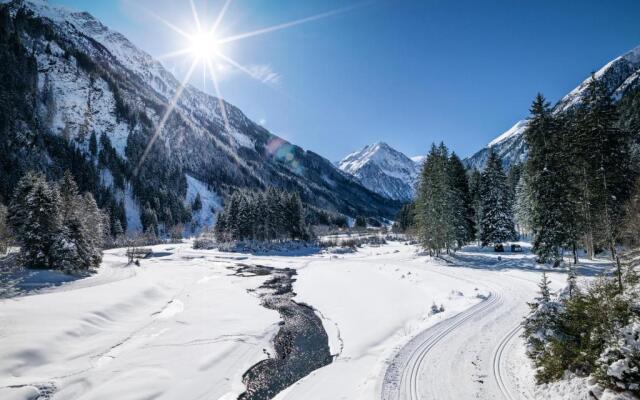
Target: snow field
180, 326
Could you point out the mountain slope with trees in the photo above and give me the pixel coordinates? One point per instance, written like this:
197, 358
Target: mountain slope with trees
619, 78
82, 98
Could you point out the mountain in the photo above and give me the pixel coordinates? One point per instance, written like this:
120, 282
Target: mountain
383, 170
621, 77
69, 82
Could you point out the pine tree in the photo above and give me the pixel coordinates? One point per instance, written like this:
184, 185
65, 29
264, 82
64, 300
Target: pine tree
5, 231
68, 195
524, 203
295, 217
93, 144
405, 220
197, 203
463, 213
436, 203
497, 223
18, 211
149, 220
475, 191
606, 162
39, 224
551, 208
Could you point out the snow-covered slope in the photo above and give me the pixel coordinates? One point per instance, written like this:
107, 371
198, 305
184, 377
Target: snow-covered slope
619, 75
383, 170
93, 80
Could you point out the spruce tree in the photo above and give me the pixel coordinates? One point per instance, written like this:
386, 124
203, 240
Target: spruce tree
197, 203
475, 192
552, 211
93, 144
463, 212
497, 222
435, 204
38, 220
605, 156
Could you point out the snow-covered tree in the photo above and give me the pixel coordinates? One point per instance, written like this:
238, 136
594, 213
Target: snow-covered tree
619, 363
197, 203
549, 194
37, 221
463, 212
5, 230
272, 216
497, 221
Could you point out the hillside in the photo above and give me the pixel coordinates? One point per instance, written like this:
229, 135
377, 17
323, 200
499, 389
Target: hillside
622, 80
76, 82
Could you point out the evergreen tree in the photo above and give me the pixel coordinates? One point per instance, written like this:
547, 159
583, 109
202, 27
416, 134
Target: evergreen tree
524, 202
68, 195
37, 220
475, 192
149, 220
360, 222
463, 212
604, 153
436, 203
93, 144
271, 216
405, 220
295, 217
5, 231
497, 222
552, 214
197, 203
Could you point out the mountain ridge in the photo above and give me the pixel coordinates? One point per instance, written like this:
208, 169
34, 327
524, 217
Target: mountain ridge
383, 169
90, 80
620, 76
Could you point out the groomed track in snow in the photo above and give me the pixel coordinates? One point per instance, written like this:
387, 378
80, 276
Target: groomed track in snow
468, 356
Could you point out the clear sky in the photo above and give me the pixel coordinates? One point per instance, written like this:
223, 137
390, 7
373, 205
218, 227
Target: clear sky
405, 72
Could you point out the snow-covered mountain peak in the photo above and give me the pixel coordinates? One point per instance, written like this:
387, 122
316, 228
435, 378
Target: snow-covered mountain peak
619, 76
515, 130
383, 169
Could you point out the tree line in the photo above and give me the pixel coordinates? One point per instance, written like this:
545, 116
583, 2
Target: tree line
454, 206
273, 215
55, 225
578, 178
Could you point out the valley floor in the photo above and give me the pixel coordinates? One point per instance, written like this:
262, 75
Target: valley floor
184, 325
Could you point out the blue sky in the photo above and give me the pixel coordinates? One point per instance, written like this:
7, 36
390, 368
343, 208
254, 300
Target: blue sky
405, 72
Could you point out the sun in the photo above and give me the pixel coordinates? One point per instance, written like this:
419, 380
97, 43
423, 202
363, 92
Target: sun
204, 46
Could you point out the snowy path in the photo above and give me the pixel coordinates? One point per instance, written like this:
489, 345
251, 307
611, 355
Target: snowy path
476, 354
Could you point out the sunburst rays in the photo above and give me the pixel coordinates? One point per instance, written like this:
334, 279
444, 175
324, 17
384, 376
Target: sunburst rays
206, 49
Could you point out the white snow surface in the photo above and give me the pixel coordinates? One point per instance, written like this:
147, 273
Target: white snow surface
516, 130
182, 327
178, 327
211, 203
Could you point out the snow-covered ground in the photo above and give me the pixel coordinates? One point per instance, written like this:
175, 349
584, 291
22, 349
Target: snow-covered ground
183, 326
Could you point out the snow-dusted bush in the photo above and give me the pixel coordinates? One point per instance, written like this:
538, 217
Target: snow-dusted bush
204, 243
341, 250
592, 330
435, 309
620, 362
258, 247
